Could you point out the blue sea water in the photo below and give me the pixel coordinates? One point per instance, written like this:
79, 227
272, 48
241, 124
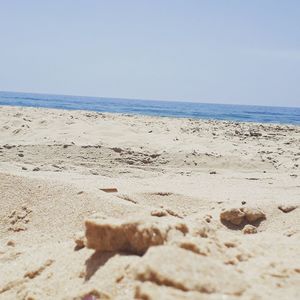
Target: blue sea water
244, 113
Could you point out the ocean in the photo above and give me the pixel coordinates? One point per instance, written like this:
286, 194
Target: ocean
243, 113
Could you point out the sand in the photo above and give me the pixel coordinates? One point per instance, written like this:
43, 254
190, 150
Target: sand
111, 206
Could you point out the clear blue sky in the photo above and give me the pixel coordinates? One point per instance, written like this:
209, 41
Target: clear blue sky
245, 52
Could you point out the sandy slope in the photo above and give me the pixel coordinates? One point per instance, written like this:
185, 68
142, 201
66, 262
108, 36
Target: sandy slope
53, 164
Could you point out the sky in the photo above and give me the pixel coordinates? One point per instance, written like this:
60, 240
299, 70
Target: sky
239, 52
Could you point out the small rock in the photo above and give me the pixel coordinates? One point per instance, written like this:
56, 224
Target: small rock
207, 219
94, 173
11, 243
159, 213
79, 240
255, 133
36, 169
24, 168
213, 172
290, 232
253, 214
233, 215
117, 149
287, 208
249, 229
243, 202
237, 215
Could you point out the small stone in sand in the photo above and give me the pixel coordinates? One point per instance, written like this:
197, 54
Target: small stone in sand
79, 240
253, 214
237, 215
94, 172
11, 243
159, 213
249, 229
109, 190
233, 215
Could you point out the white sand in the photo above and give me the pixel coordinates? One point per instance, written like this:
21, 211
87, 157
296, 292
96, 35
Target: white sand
53, 164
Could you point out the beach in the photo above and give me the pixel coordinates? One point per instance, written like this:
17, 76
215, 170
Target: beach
115, 206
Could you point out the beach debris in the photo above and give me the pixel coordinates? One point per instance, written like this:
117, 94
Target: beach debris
163, 194
249, 229
173, 213
109, 190
33, 273
209, 275
19, 219
287, 208
127, 198
165, 212
134, 235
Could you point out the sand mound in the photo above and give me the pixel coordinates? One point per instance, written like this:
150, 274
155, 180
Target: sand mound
194, 273
135, 235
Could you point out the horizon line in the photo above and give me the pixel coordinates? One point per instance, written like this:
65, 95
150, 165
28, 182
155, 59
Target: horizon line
143, 99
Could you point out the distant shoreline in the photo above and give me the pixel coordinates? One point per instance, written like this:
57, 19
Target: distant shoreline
146, 99
199, 111
149, 117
